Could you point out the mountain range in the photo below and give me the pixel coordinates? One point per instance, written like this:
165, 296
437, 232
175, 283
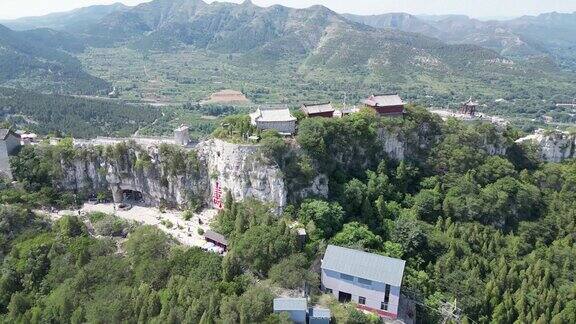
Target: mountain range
375, 51
551, 34
40, 59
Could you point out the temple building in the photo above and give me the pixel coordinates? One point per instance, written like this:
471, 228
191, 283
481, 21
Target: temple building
318, 110
277, 118
386, 105
469, 107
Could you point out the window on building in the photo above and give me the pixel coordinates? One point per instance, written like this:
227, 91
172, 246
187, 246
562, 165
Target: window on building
346, 277
383, 306
362, 300
365, 281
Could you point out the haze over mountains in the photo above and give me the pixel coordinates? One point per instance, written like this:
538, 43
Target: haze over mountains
550, 34
323, 44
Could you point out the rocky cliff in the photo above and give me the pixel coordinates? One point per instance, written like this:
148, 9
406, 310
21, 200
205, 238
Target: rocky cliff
167, 174
554, 146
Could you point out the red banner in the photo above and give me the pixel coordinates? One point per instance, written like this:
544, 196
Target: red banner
217, 197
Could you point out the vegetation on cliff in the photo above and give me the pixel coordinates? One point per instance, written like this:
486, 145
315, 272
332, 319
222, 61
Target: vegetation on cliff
487, 227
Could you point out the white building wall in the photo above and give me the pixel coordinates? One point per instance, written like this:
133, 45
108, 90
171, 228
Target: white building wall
5, 170
297, 316
374, 294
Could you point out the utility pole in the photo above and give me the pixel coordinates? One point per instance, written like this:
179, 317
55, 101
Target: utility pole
450, 312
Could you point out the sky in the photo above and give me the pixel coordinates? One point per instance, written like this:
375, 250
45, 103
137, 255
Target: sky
10, 9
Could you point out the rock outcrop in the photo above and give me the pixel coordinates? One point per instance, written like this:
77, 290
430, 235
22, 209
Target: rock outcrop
167, 174
554, 146
240, 169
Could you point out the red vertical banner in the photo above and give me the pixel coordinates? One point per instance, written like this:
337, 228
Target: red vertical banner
217, 197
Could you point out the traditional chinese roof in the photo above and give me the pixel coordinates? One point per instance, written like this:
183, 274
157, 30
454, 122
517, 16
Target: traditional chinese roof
318, 108
272, 114
386, 100
471, 102
364, 265
216, 237
290, 304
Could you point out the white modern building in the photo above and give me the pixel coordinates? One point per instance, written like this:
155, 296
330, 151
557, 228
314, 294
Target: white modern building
372, 281
296, 307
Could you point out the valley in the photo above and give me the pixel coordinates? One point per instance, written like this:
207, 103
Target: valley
176, 52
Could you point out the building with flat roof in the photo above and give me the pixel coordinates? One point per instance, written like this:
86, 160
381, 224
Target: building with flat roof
319, 315
318, 110
372, 281
295, 307
386, 104
277, 118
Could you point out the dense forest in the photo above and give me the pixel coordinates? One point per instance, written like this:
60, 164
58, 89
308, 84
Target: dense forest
75, 116
493, 232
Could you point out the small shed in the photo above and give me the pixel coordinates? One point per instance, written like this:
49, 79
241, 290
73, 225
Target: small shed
295, 307
318, 110
216, 238
319, 316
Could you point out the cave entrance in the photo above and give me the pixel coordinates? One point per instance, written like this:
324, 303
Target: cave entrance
132, 196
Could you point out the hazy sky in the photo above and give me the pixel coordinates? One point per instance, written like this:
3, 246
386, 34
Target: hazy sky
476, 8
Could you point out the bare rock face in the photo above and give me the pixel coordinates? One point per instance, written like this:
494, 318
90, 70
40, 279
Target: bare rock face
392, 144
155, 181
240, 169
554, 146
182, 176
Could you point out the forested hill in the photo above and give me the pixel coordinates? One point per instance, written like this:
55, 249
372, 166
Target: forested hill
65, 115
36, 60
493, 234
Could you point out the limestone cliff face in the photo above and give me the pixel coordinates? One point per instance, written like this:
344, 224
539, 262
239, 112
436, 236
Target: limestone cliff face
392, 144
240, 169
177, 176
553, 146
155, 179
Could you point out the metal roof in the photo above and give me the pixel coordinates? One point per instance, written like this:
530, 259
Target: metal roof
217, 237
289, 304
318, 108
319, 313
384, 100
364, 265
